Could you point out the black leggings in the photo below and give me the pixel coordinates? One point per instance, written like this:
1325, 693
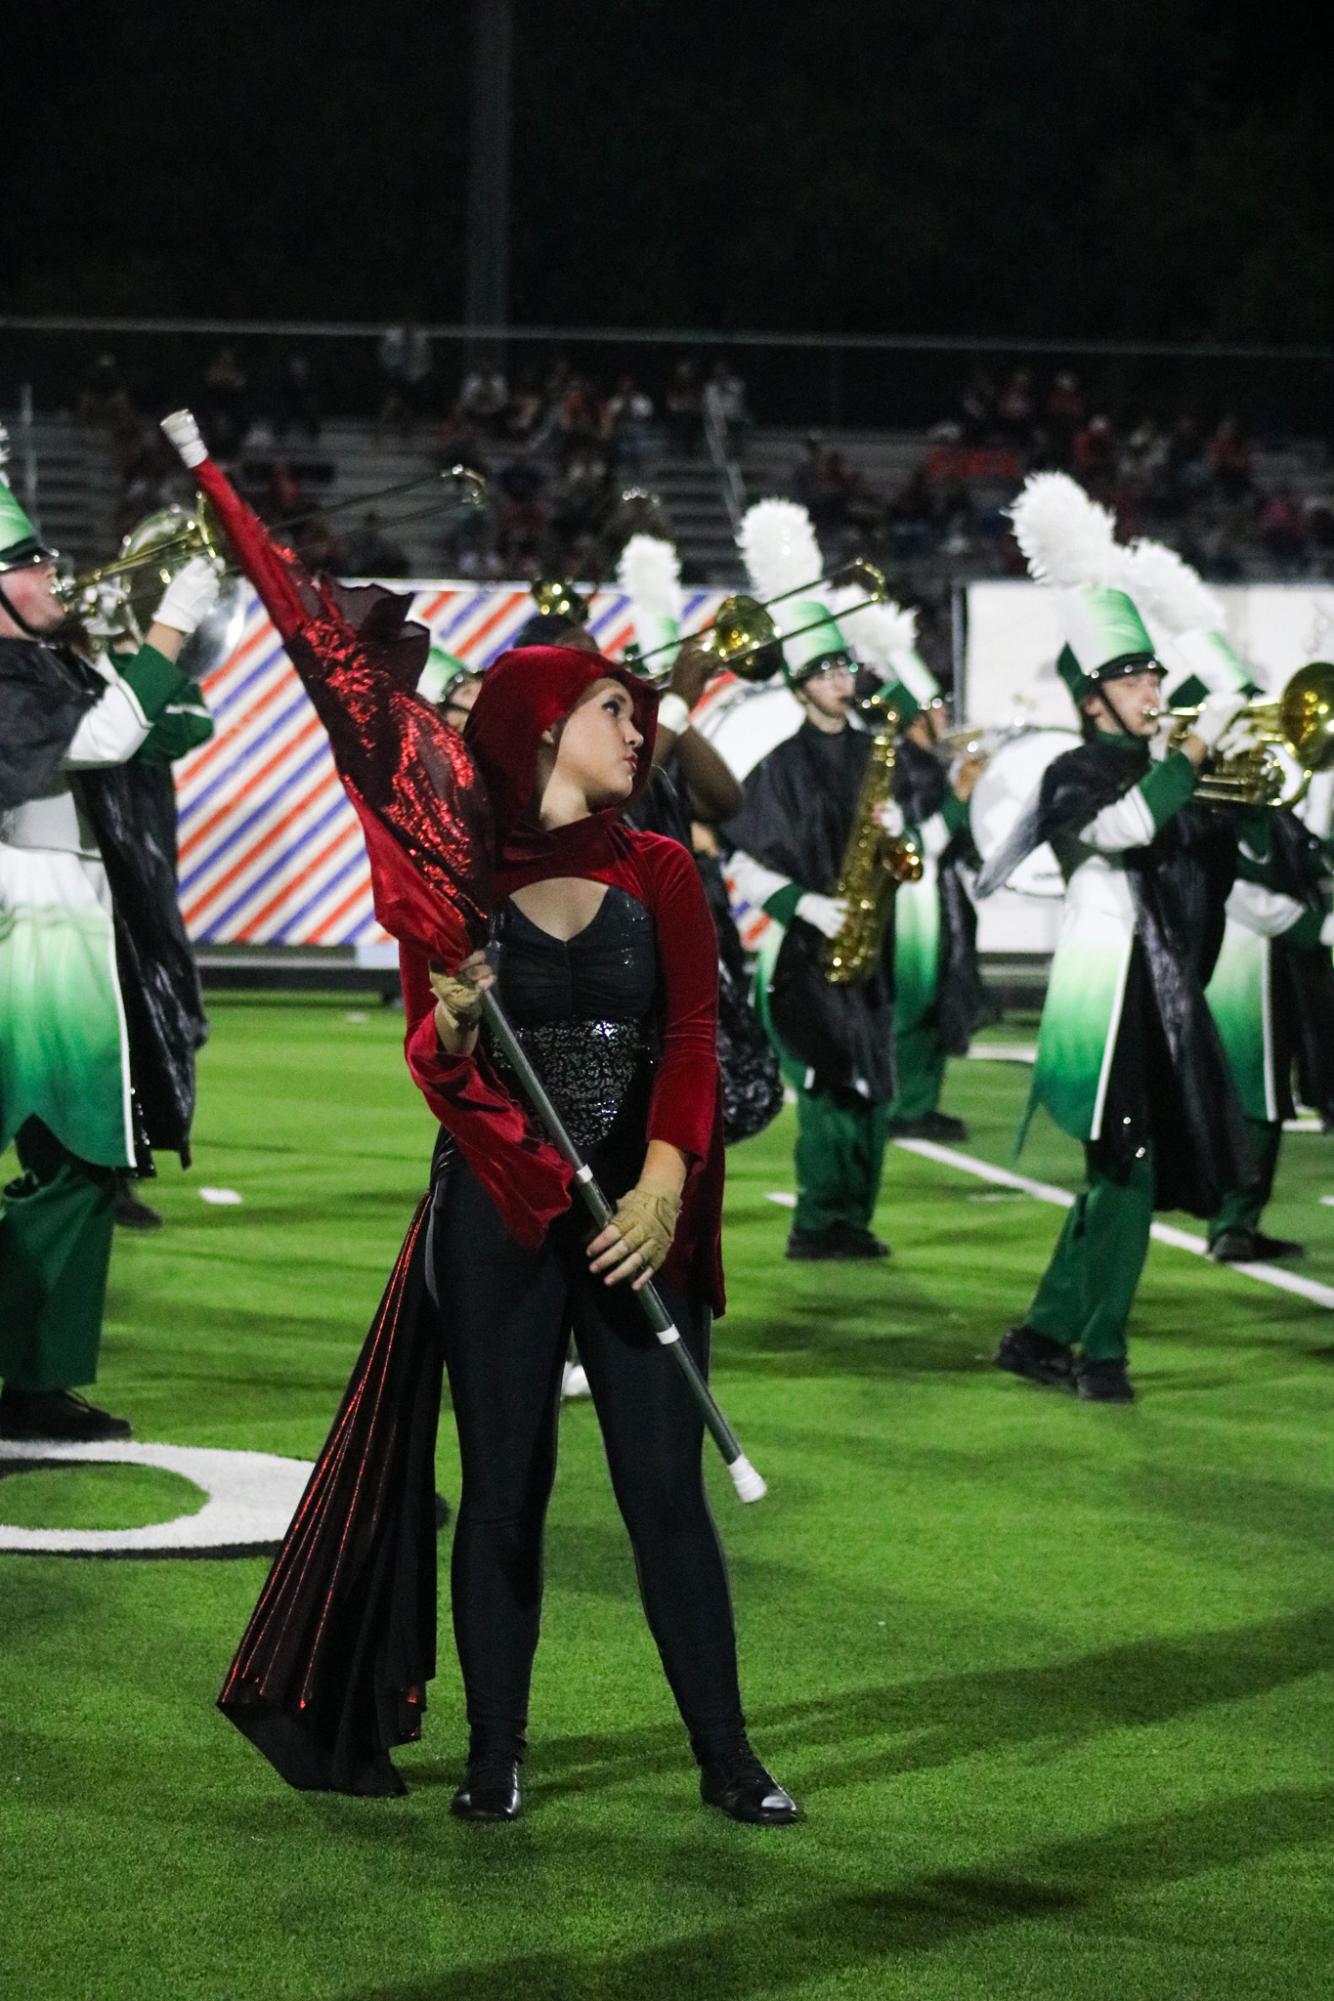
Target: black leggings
507, 1314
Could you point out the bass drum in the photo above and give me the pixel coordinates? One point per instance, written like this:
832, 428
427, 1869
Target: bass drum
743, 722
1004, 792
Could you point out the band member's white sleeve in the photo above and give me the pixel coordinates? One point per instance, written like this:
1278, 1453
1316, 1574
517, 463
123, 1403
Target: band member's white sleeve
110, 732
934, 836
753, 882
1126, 823
1265, 911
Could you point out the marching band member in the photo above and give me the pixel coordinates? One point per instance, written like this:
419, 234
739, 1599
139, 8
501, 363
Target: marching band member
1271, 991
98, 999
1129, 1061
789, 841
939, 999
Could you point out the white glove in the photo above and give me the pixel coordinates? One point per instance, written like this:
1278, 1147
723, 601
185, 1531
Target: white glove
826, 913
891, 819
1216, 714
183, 432
190, 596
1327, 931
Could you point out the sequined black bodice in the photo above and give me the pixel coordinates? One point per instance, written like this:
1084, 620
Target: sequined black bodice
583, 1008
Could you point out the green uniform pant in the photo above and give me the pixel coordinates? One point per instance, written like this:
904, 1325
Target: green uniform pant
1242, 1206
55, 1250
919, 1072
840, 1156
1085, 1296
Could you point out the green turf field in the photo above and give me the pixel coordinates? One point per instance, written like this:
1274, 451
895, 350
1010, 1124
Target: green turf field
1052, 1681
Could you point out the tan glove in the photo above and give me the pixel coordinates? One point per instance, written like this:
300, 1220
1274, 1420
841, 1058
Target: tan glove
645, 1223
461, 1001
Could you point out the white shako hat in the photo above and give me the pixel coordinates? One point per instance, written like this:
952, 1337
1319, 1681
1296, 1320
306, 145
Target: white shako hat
1069, 542
779, 548
1177, 600
884, 639
650, 575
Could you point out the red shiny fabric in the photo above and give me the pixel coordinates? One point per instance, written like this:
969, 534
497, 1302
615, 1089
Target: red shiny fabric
332, 1669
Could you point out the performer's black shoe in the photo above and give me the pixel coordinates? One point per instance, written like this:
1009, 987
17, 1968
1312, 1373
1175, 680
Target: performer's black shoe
739, 1785
1250, 1247
490, 1789
840, 1240
1103, 1382
62, 1416
128, 1211
935, 1125
1036, 1357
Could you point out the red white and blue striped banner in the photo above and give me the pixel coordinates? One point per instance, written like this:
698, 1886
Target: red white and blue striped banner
270, 850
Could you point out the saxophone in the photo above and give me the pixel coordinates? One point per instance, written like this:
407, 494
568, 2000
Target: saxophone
874, 864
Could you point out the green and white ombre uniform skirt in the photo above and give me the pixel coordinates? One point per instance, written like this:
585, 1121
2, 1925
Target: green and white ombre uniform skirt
64, 1054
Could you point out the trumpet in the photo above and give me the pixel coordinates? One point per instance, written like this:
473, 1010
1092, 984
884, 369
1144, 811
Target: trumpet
1299, 722
743, 636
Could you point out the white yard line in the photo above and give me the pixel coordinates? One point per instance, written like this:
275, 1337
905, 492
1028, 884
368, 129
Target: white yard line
1164, 1233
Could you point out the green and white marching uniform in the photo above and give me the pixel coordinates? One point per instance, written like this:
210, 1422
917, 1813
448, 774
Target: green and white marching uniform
74, 1043
1128, 1061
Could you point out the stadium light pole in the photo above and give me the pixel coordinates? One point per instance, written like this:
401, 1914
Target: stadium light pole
486, 290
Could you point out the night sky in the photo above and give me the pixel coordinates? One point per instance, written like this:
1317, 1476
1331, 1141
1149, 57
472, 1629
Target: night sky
1056, 168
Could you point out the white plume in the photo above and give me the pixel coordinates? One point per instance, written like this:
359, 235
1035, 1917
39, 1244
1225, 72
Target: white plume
650, 574
1067, 538
1168, 590
780, 551
878, 632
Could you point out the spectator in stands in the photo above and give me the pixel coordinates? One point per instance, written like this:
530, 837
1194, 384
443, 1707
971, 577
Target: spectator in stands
1230, 460
295, 405
629, 414
286, 495
457, 442
1095, 455
527, 411
319, 547
484, 400
1014, 412
224, 405
1063, 417
684, 409
724, 406
406, 366
373, 553
104, 400
1282, 528
977, 409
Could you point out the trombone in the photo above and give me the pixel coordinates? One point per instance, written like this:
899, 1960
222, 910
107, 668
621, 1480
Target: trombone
1299, 722
744, 638
166, 540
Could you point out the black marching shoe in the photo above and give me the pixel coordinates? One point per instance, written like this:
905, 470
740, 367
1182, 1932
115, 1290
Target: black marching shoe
1252, 1247
935, 1125
62, 1416
1036, 1357
490, 1789
128, 1211
1103, 1382
739, 1785
840, 1240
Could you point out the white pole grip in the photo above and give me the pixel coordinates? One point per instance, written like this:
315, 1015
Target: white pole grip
748, 1483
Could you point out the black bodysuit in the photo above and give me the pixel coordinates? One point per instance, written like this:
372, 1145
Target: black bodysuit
585, 1011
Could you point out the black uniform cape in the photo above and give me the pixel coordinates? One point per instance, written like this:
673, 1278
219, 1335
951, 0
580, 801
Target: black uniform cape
796, 816
1169, 1085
